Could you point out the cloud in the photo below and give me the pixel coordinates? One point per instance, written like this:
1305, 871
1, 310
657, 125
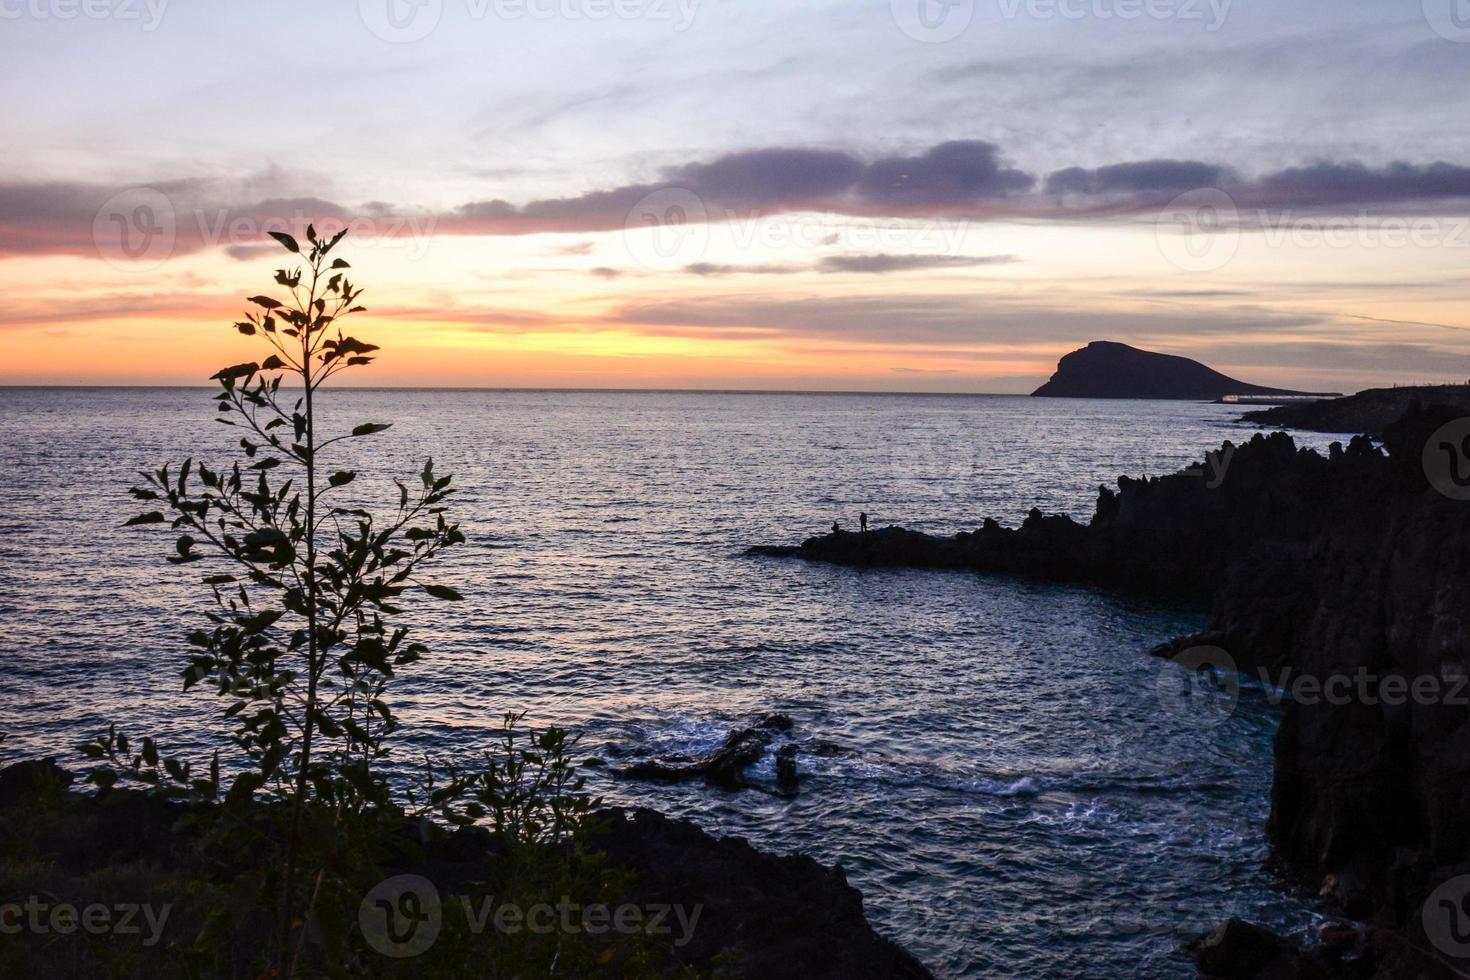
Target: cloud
249, 253
876, 264
1144, 177
772, 178
884, 262
921, 320
951, 174
164, 218
725, 269
1354, 183
956, 180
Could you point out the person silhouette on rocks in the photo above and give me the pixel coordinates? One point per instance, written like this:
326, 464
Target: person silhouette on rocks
863, 522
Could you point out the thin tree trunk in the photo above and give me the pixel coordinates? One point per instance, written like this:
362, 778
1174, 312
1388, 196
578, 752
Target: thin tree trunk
311, 641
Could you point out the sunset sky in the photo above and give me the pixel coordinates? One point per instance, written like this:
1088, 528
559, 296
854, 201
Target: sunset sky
927, 195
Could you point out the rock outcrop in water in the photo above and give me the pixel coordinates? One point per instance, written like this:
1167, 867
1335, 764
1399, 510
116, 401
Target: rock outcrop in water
1107, 369
1347, 579
726, 766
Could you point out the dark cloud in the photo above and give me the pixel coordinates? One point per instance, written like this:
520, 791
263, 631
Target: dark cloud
875, 264
959, 180
884, 262
762, 179
720, 269
249, 253
1354, 183
1144, 177
956, 173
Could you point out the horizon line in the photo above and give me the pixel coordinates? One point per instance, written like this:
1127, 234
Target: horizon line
550, 389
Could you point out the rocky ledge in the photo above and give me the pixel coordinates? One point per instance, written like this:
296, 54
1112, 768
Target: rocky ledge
729, 910
1370, 411
1345, 576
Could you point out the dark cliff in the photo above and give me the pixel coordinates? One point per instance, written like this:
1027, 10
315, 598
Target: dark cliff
1350, 570
1105, 369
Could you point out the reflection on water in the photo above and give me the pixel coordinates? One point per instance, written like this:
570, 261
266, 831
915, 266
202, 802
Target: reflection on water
988, 759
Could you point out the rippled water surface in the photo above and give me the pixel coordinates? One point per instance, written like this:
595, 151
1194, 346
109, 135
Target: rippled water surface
995, 763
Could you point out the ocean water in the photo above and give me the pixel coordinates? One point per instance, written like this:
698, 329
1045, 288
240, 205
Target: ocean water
1015, 785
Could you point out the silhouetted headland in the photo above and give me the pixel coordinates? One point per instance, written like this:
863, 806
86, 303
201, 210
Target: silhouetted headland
1107, 369
1348, 572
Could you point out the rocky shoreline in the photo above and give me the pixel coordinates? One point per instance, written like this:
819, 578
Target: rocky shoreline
729, 910
1370, 412
1348, 577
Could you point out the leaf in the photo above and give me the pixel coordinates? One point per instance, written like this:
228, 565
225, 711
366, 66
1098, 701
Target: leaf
244, 787
235, 371
443, 592
341, 478
265, 537
152, 517
340, 264
272, 363
266, 301
368, 428
286, 240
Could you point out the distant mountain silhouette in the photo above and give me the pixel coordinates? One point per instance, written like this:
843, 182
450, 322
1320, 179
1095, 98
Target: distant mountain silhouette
1106, 369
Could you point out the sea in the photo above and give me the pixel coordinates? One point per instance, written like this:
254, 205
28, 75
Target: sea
1017, 788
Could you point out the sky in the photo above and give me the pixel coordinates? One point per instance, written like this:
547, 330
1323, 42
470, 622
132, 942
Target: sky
911, 195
